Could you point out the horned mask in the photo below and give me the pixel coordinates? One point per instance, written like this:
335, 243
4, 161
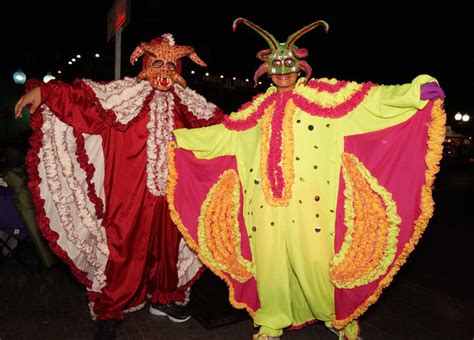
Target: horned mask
282, 58
162, 61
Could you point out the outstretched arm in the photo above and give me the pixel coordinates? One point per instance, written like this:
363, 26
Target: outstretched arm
389, 105
32, 98
73, 104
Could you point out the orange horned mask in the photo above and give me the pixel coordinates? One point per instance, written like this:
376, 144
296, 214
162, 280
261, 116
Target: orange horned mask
162, 61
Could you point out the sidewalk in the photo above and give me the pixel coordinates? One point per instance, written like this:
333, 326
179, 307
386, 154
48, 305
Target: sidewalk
430, 298
52, 305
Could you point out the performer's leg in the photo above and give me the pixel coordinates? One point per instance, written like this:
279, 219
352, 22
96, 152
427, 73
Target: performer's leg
163, 258
310, 251
273, 278
127, 280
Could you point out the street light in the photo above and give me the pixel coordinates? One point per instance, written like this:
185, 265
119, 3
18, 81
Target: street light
462, 117
19, 77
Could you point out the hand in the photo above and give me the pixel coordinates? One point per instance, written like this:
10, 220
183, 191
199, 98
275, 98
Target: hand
32, 98
430, 91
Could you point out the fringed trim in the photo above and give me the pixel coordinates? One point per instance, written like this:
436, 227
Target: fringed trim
32, 162
172, 181
135, 308
58, 162
195, 103
324, 98
89, 169
160, 133
218, 228
120, 103
436, 137
330, 104
370, 243
248, 117
277, 147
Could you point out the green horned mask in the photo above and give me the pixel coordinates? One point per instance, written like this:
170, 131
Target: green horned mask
282, 58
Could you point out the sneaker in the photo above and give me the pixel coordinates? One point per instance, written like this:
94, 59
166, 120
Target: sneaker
174, 312
335, 331
106, 329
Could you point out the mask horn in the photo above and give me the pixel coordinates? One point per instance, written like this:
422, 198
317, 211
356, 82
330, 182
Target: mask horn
295, 36
270, 39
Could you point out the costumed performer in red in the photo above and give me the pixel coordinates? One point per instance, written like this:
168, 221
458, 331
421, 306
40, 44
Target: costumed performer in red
98, 171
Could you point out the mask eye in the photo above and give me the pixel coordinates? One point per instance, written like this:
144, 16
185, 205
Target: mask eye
276, 63
171, 66
157, 63
289, 62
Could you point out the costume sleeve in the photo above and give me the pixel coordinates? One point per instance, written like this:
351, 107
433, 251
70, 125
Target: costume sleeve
193, 110
207, 142
74, 105
386, 106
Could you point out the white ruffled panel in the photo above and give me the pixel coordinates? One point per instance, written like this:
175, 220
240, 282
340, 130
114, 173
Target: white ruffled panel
63, 188
124, 96
160, 133
188, 264
196, 104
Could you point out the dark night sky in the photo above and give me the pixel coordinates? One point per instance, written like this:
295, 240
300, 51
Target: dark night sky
390, 43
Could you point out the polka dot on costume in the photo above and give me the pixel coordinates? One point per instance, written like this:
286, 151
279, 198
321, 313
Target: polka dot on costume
256, 181
328, 125
317, 229
315, 167
298, 121
310, 127
317, 198
317, 215
254, 228
272, 223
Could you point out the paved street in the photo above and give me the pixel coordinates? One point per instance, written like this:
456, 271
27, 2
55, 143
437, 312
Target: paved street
430, 298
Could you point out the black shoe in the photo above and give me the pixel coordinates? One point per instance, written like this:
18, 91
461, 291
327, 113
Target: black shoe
174, 312
106, 329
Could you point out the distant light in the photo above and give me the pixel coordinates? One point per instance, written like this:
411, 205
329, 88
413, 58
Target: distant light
70, 62
207, 74
458, 116
97, 55
73, 60
222, 76
192, 72
234, 78
465, 117
259, 83
59, 72
247, 80
19, 77
78, 56
48, 77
